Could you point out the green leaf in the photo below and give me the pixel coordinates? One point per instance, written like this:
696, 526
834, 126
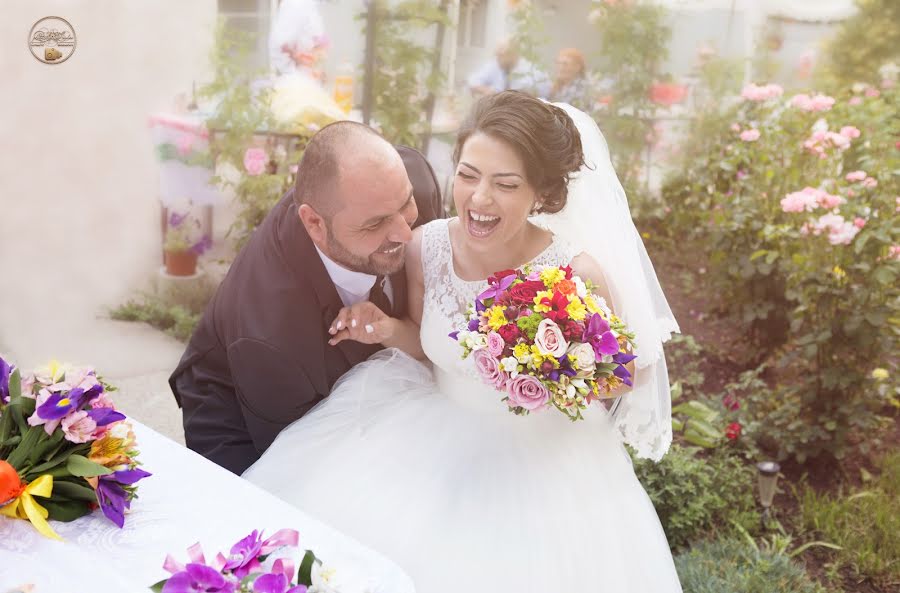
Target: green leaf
30, 440
15, 383
885, 275
304, 575
85, 468
677, 425
74, 491
697, 410
677, 390
158, 587
758, 254
66, 510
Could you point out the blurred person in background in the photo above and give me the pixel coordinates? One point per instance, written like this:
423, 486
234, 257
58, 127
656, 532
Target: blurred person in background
508, 71
297, 41
570, 84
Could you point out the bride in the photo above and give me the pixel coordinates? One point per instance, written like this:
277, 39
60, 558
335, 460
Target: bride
414, 456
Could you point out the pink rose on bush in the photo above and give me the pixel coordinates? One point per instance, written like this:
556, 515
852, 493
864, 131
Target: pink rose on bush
850, 132
527, 392
856, 176
753, 92
817, 102
859, 222
872, 92
895, 251
751, 135
255, 160
870, 182
549, 339
855, 101
800, 201
495, 344
489, 369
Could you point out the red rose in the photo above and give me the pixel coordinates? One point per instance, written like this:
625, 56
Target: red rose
510, 333
525, 292
497, 276
733, 430
571, 329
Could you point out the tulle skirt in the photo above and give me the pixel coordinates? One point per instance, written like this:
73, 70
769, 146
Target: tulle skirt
462, 494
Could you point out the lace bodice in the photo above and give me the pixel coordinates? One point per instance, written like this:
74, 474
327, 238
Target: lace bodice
447, 296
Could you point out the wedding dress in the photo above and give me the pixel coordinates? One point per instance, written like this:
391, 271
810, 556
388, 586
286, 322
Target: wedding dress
423, 462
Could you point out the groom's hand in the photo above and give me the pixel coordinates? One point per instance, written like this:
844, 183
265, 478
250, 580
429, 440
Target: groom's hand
363, 322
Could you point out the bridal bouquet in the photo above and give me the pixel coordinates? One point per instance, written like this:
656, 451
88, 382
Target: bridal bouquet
253, 564
64, 449
543, 339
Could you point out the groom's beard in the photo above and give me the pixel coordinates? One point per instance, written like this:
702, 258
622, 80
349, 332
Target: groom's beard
377, 264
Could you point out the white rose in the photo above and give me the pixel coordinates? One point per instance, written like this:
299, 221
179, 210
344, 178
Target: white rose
549, 339
582, 356
324, 580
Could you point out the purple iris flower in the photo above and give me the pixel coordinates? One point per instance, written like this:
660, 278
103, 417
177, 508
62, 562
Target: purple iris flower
198, 578
454, 335
6, 370
496, 289
105, 416
61, 403
114, 499
597, 334
244, 555
622, 373
479, 306
275, 583
473, 325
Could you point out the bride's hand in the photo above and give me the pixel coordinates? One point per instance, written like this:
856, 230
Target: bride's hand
363, 322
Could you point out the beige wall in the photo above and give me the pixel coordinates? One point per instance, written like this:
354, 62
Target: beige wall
78, 213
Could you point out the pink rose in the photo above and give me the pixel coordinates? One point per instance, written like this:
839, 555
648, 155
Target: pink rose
870, 92
751, 135
870, 182
527, 392
850, 132
735, 128
855, 101
495, 344
489, 369
79, 427
859, 222
255, 160
856, 176
549, 339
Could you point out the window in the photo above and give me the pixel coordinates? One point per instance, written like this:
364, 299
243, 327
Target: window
250, 16
472, 23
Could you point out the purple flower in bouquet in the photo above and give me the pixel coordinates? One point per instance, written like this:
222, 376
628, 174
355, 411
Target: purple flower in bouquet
597, 334
61, 403
198, 578
244, 555
527, 392
6, 370
497, 288
276, 583
105, 416
113, 498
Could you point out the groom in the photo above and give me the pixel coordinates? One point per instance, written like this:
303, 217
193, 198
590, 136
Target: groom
260, 359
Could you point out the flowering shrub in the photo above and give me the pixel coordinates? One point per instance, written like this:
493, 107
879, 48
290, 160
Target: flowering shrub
797, 199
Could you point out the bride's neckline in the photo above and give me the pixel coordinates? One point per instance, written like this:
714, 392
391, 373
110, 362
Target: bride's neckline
471, 282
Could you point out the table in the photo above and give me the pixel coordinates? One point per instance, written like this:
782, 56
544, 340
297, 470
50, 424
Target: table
187, 500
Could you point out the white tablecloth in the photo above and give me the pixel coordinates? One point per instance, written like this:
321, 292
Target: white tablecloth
187, 500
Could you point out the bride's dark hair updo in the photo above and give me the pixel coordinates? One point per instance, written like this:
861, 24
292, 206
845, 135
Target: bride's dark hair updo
543, 135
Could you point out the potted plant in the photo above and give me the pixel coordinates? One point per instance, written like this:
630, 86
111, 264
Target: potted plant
184, 244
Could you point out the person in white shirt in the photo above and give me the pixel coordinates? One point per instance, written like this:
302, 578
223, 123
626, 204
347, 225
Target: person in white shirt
297, 40
508, 71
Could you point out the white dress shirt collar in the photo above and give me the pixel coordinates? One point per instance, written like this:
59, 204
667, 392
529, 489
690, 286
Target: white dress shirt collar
352, 286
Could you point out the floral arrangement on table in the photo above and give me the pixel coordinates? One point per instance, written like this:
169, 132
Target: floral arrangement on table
184, 243
253, 565
62, 441
543, 339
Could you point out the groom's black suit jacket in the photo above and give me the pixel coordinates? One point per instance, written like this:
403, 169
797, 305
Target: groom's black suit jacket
259, 358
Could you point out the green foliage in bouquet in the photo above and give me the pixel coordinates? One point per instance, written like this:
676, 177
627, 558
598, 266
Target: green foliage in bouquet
404, 74
731, 565
695, 496
863, 44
